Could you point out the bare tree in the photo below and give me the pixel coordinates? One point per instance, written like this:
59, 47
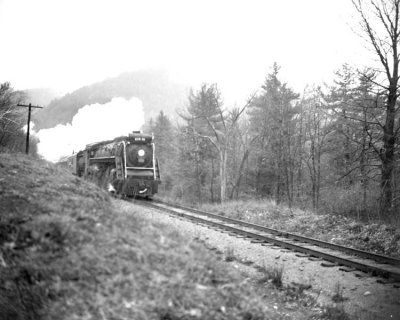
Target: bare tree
240, 149
222, 138
213, 126
317, 128
11, 118
383, 32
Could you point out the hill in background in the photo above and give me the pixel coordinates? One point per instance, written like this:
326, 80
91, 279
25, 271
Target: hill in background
41, 96
153, 87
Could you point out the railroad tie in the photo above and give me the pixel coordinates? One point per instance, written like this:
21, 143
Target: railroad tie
257, 241
347, 269
329, 264
301, 255
315, 259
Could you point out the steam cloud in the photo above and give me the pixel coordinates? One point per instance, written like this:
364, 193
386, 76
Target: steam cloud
92, 123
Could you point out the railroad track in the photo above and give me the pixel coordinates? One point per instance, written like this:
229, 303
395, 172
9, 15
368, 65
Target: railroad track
349, 258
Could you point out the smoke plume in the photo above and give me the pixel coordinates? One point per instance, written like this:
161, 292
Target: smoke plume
92, 123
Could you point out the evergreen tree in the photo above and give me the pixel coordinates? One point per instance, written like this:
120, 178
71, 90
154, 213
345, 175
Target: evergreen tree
202, 117
165, 148
273, 122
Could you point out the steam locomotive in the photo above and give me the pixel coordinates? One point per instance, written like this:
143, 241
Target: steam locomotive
125, 165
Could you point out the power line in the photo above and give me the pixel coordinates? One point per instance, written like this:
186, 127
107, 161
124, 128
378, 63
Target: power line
30, 106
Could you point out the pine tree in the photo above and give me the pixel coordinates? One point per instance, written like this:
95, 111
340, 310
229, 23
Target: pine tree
273, 122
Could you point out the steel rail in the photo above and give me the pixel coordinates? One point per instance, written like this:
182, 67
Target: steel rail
393, 274
360, 253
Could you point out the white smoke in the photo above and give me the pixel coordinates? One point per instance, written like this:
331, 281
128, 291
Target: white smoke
92, 123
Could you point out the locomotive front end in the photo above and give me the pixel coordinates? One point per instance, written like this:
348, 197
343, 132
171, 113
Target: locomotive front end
137, 166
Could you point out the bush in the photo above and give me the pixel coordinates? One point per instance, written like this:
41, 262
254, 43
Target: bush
349, 201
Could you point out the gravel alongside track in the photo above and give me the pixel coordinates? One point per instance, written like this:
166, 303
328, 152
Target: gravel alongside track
364, 297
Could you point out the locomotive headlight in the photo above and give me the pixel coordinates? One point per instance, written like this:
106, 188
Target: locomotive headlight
141, 153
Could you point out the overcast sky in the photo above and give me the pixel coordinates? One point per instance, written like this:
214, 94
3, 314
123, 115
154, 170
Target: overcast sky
65, 44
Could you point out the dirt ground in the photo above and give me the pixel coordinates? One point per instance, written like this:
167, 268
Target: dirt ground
361, 295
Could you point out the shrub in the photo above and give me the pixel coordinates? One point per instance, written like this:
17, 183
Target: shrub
349, 201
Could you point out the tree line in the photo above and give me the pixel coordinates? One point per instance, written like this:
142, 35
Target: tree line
13, 121
332, 148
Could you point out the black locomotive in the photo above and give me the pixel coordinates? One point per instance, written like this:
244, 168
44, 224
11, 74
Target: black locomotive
125, 165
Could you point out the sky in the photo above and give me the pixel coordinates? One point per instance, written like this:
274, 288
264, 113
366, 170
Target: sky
66, 44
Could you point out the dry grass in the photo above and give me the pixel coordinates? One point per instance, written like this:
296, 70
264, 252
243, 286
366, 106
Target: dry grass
68, 252
230, 254
272, 275
338, 295
334, 312
375, 237
43, 213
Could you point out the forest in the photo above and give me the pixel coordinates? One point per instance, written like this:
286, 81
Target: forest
331, 148
321, 149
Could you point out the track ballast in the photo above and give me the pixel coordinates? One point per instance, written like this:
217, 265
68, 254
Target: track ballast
349, 258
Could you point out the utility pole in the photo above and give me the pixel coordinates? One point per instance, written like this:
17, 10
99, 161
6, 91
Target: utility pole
30, 106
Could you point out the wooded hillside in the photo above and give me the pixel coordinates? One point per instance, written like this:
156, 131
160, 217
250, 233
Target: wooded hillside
152, 87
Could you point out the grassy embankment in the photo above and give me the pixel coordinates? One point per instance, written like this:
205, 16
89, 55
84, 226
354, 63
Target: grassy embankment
375, 237
67, 251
